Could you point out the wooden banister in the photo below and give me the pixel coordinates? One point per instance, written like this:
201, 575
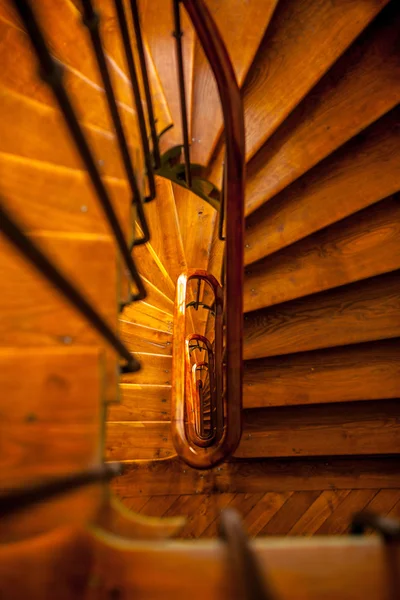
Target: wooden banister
230, 300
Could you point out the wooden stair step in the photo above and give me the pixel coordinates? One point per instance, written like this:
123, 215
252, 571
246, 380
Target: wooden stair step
361, 246
322, 430
140, 338
153, 269
138, 440
157, 26
368, 371
50, 426
88, 98
360, 312
60, 198
33, 313
242, 27
360, 88
48, 139
142, 402
155, 369
146, 314
156, 297
361, 173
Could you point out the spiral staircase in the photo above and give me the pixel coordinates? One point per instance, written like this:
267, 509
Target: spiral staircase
320, 83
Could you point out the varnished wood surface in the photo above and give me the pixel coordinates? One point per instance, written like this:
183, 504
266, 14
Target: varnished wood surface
359, 372
32, 313
142, 402
360, 88
145, 339
361, 246
172, 476
356, 176
242, 26
362, 311
155, 369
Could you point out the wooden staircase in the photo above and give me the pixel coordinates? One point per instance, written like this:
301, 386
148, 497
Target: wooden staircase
321, 422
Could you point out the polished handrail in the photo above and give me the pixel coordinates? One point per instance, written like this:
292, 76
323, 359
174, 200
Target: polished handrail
178, 33
123, 26
47, 268
51, 72
91, 20
232, 109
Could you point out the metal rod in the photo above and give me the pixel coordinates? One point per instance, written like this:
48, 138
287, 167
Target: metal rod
40, 261
51, 72
22, 498
222, 204
91, 20
146, 84
178, 33
136, 96
388, 528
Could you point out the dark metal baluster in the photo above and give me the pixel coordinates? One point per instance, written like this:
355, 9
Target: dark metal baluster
51, 72
22, 498
146, 84
222, 204
91, 20
249, 582
388, 528
136, 96
178, 33
40, 261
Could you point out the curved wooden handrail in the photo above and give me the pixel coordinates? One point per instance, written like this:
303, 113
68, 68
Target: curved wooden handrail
232, 108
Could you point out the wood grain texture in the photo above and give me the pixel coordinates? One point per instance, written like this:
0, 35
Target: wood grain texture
289, 513
302, 42
49, 140
142, 402
324, 430
359, 372
157, 24
152, 268
146, 314
33, 313
318, 512
360, 312
172, 476
361, 246
356, 176
156, 298
60, 198
361, 87
339, 521
155, 369
242, 25
140, 338
320, 430
166, 238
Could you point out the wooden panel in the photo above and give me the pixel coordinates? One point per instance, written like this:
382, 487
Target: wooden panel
264, 510
48, 138
339, 521
141, 402
253, 476
146, 314
318, 512
157, 506
290, 512
361, 246
363, 311
140, 338
359, 174
360, 88
242, 26
359, 372
341, 429
157, 24
163, 222
302, 42
135, 440
156, 369
59, 198
32, 313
